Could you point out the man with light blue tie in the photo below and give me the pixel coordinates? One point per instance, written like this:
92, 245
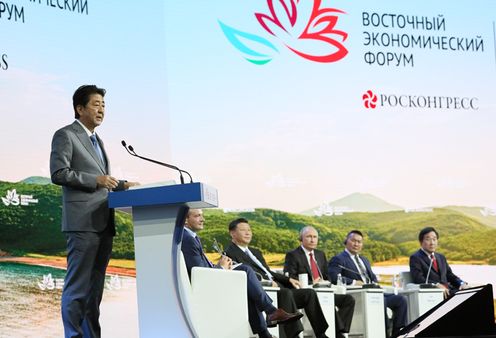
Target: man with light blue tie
79, 163
258, 300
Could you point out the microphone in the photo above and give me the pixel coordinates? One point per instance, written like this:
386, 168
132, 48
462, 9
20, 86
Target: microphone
368, 283
318, 269
220, 250
322, 283
130, 150
428, 285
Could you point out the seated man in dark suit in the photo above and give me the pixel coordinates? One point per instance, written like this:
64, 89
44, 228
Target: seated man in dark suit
300, 260
356, 270
290, 297
440, 272
258, 300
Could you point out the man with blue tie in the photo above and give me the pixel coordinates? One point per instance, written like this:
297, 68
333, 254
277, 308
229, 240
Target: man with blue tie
356, 270
428, 266
79, 163
258, 300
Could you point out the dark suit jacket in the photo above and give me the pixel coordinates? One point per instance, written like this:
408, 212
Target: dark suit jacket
419, 265
296, 262
397, 303
345, 260
240, 256
289, 298
258, 300
193, 253
75, 165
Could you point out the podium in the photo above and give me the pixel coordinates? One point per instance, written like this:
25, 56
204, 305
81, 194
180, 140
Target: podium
421, 300
368, 317
158, 219
326, 300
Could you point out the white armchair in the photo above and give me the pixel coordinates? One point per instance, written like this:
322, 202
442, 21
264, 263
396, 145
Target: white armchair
215, 301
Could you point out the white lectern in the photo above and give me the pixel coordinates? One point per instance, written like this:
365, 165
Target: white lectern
368, 317
158, 217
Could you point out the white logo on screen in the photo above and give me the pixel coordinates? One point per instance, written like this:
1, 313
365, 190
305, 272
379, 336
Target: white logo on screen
50, 283
12, 198
488, 212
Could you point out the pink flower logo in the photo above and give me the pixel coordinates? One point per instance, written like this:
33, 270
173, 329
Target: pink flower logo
369, 99
304, 27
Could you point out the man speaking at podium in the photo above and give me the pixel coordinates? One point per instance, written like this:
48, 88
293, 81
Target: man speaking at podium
355, 269
79, 163
428, 266
258, 300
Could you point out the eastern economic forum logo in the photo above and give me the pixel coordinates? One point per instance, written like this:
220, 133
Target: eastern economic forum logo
300, 26
371, 100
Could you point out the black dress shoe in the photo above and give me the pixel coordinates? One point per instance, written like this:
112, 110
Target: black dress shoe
280, 316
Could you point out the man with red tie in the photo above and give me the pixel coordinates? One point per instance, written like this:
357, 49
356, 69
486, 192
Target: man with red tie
308, 259
428, 266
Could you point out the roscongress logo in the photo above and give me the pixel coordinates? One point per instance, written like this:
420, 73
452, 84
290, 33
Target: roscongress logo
372, 100
369, 99
303, 27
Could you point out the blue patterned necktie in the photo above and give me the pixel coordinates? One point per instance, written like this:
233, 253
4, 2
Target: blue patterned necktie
98, 150
203, 253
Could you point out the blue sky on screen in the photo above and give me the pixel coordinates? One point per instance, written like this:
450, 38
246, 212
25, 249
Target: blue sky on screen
290, 134
118, 46
293, 133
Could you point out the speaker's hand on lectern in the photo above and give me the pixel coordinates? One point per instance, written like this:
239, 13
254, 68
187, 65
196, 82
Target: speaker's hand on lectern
107, 182
128, 185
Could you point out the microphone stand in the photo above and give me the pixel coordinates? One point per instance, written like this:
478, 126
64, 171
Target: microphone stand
221, 252
428, 285
322, 283
130, 150
368, 283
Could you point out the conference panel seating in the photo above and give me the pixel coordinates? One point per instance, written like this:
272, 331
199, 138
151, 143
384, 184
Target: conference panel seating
216, 301
419, 300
